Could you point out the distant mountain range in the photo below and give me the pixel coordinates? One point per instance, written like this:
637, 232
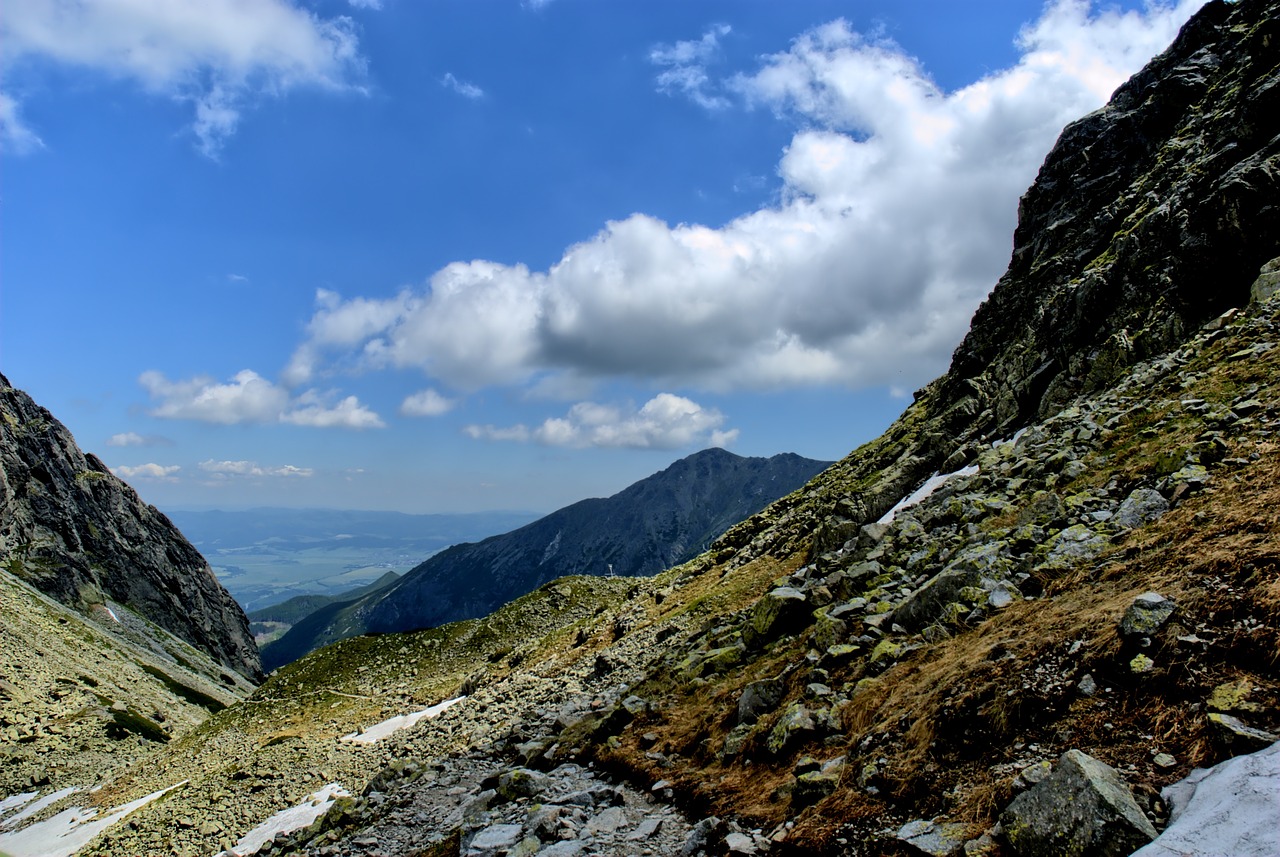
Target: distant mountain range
656, 523
266, 556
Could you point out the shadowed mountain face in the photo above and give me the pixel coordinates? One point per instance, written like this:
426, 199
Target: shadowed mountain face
658, 522
73, 530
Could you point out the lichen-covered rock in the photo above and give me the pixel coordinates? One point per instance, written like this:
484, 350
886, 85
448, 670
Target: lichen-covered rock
796, 723
933, 838
1267, 285
1140, 507
784, 610
1082, 809
1146, 615
1076, 543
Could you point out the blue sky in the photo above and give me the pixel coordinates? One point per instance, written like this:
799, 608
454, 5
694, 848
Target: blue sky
457, 255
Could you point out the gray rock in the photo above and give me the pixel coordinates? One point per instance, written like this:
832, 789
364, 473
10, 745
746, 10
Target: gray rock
646, 829
1083, 807
1140, 507
606, 823
1238, 733
563, 849
933, 838
739, 843
496, 837
758, 698
706, 836
1146, 615
784, 610
1076, 543
1267, 285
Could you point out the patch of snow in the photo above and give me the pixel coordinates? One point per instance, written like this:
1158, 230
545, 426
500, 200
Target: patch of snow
13, 802
288, 820
1230, 808
70, 830
933, 483
48, 800
113, 615
402, 721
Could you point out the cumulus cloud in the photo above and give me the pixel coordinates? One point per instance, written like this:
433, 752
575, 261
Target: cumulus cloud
897, 205
684, 68
250, 398
372, 5
217, 55
666, 421
462, 87
426, 403
151, 472
131, 438
224, 470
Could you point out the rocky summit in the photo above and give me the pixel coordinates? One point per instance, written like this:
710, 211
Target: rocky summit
1014, 624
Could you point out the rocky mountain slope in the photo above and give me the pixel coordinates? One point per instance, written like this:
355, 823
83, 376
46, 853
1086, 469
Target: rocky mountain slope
658, 522
77, 533
1019, 661
82, 694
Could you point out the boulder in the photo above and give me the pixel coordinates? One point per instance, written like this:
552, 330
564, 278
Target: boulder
1146, 615
1082, 808
760, 697
1140, 507
784, 610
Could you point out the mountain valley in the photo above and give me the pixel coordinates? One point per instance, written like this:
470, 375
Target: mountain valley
1013, 624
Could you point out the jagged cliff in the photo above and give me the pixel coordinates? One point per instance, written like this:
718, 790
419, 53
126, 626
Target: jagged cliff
73, 530
1149, 217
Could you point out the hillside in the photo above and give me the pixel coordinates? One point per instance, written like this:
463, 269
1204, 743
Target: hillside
658, 522
1005, 627
74, 531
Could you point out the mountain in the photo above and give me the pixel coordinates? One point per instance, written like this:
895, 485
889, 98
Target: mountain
271, 623
74, 531
658, 522
1015, 624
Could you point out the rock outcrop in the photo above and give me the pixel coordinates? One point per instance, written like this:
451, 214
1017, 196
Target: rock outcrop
76, 532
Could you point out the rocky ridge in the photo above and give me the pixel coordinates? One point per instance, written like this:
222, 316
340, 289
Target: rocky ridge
76, 532
660, 521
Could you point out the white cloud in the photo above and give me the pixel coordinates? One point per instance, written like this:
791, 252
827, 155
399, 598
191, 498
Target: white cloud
223, 470
151, 472
666, 421
462, 87
217, 55
426, 403
684, 67
311, 410
15, 136
131, 438
250, 398
894, 221
372, 5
